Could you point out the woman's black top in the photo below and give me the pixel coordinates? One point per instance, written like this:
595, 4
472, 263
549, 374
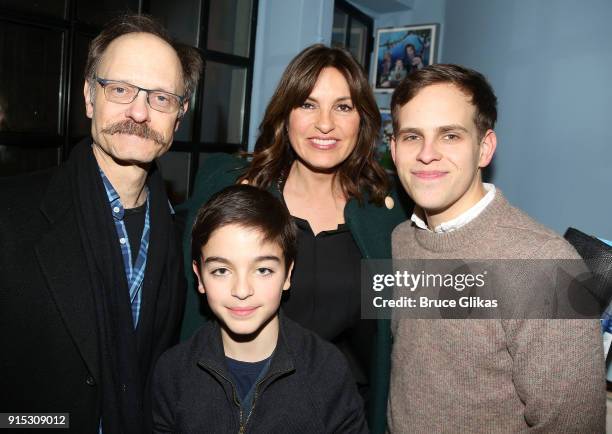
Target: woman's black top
325, 294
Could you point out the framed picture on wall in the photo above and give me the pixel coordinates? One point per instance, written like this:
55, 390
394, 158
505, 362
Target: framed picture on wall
383, 149
400, 50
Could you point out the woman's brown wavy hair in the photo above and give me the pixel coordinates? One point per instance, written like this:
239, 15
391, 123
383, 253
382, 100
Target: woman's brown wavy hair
273, 155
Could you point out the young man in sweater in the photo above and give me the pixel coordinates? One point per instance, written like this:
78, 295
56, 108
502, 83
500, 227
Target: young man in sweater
504, 375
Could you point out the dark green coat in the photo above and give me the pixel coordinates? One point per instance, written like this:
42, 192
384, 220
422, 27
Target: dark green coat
371, 228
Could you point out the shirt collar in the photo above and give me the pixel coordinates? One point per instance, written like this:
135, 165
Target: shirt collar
113, 197
115, 200
462, 219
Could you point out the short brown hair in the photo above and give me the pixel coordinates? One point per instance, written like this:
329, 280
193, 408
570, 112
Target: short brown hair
191, 61
470, 82
249, 207
273, 153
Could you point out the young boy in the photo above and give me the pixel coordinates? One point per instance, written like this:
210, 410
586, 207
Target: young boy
251, 369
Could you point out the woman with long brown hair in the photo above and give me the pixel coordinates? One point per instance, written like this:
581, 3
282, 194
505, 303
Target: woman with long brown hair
316, 151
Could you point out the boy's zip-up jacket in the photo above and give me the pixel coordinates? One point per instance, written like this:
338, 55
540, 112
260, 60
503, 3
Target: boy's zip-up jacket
308, 388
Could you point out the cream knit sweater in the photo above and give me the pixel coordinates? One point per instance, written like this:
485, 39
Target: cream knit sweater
490, 376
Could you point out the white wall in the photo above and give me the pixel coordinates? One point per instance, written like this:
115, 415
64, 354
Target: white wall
550, 64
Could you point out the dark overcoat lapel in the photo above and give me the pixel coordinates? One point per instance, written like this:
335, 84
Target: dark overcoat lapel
62, 262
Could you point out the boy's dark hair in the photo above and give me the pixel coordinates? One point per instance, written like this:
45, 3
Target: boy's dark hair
191, 61
249, 207
470, 82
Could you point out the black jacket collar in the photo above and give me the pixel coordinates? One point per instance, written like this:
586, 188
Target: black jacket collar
59, 254
210, 354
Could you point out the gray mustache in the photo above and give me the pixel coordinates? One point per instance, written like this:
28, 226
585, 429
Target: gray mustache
136, 129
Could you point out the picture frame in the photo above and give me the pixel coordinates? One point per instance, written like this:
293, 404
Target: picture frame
383, 149
399, 50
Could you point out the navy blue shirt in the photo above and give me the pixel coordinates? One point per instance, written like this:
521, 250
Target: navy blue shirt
245, 374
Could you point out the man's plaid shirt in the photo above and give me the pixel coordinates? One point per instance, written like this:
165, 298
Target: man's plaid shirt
133, 272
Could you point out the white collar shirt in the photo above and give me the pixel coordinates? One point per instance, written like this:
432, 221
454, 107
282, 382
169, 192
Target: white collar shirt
462, 219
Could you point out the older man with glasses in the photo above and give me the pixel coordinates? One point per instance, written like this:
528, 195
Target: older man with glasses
92, 288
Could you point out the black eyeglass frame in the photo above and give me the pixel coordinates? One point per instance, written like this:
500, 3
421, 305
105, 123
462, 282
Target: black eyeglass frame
103, 82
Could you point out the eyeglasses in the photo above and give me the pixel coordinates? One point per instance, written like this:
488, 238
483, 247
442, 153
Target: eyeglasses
124, 93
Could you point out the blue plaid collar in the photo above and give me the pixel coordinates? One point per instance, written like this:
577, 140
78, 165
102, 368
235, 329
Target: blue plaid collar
114, 200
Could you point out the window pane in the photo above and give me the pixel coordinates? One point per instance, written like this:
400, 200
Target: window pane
99, 12
79, 123
229, 26
54, 8
339, 29
14, 160
223, 104
181, 18
358, 41
174, 168
30, 78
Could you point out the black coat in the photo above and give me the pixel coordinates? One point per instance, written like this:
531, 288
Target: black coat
49, 347
307, 389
